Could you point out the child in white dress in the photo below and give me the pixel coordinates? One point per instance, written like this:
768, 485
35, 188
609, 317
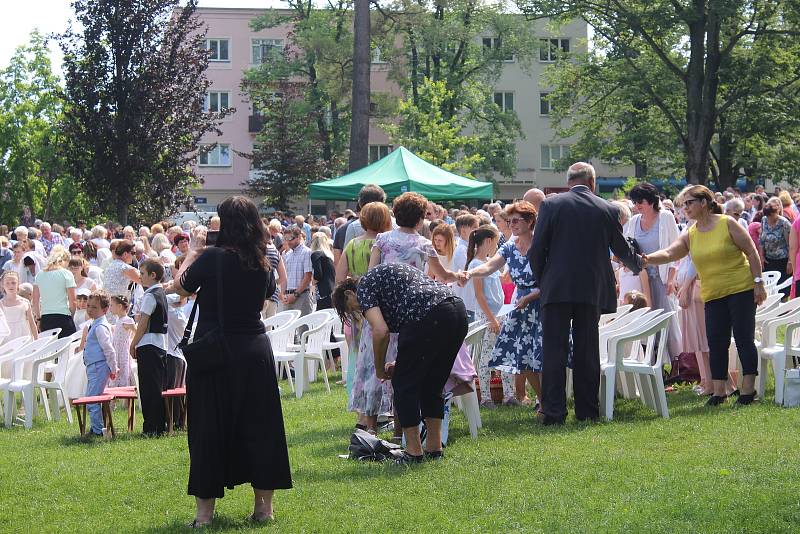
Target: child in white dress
121, 339
17, 310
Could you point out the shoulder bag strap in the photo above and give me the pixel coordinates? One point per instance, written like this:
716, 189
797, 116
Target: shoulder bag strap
187, 333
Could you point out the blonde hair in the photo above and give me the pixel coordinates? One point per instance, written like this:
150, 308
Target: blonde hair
446, 231
160, 242
624, 211
10, 274
58, 259
320, 241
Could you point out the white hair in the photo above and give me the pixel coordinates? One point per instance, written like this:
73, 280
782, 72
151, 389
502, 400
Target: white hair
99, 232
733, 205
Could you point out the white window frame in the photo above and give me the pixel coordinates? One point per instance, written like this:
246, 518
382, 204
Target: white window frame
543, 102
219, 40
562, 151
559, 44
209, 98
216, 151
274, 43
388, 149
504, 98
376, 57
494, 44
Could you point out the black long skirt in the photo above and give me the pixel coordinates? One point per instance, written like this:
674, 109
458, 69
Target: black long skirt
235, 422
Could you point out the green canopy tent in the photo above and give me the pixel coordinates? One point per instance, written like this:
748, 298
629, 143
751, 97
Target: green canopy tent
399, 172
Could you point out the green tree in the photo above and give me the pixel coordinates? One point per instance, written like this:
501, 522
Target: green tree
319, 52
464, 45
32, 170
698, 44
596, 99
426, 131
287, 154
135, 92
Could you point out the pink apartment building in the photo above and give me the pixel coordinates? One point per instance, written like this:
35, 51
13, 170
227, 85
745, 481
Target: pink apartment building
236, 48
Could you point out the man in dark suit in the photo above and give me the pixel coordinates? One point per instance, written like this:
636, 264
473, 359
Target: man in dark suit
570, 260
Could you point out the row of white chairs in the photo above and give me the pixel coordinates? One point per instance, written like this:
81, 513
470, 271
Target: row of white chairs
315, 349
21, 364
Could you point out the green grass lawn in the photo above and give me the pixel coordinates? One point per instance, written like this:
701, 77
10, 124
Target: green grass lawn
704, 470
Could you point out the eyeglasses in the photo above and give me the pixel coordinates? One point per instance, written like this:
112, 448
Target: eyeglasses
640, 201
516, 220
690, 201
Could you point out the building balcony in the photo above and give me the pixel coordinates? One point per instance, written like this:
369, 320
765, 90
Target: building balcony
255, 123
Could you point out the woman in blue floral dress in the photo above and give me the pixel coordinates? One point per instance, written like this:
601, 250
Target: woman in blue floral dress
518, 349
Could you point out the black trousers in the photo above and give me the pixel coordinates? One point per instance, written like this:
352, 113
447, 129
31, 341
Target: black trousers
56, 320
735, 312
780, 266
426, 351
556, 321
151, 370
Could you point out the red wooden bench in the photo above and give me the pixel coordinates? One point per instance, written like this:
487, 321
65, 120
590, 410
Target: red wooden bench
168, 396
105, 403
128, 393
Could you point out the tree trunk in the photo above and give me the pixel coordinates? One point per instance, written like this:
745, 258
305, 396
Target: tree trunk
122, 213
359, 126
640, 169
728, 173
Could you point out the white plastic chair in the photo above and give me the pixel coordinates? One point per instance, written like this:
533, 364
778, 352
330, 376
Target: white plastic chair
604, 331
783, 285
14, 344
23, 383
650, 379
58, 378
468, 402
52, 332
337, 333
281, 319
623, 325
776, 354
771, 279
310, 351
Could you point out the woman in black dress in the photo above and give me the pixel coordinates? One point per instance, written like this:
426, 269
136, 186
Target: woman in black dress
431, 322
236, 432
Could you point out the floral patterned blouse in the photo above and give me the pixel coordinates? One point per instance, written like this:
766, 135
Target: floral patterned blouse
400, 247
403, 293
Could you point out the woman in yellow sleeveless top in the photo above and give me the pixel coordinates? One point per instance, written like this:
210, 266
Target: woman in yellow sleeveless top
729, 267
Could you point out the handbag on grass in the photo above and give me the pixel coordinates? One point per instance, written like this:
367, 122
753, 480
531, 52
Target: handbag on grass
210, 351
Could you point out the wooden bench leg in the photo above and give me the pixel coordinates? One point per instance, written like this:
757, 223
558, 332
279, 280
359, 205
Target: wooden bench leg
183, 413
168, 408
109, 420
131, 414
81, 419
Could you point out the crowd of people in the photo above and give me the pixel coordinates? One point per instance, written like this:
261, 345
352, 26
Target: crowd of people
406, 279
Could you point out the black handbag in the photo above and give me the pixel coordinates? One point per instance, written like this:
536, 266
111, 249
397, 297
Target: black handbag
209, 352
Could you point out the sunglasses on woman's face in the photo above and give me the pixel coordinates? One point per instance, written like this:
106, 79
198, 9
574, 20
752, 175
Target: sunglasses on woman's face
516, 220
690, 201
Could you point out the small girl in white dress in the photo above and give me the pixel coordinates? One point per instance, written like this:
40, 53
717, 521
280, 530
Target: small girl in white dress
121, 340
18, 311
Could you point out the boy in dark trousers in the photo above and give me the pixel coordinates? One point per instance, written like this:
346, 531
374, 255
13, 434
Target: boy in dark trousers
149, 347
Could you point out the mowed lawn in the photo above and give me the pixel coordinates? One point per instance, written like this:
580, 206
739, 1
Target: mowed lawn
704, 470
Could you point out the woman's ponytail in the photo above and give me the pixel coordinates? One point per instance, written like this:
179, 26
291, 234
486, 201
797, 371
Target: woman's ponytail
476, 239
